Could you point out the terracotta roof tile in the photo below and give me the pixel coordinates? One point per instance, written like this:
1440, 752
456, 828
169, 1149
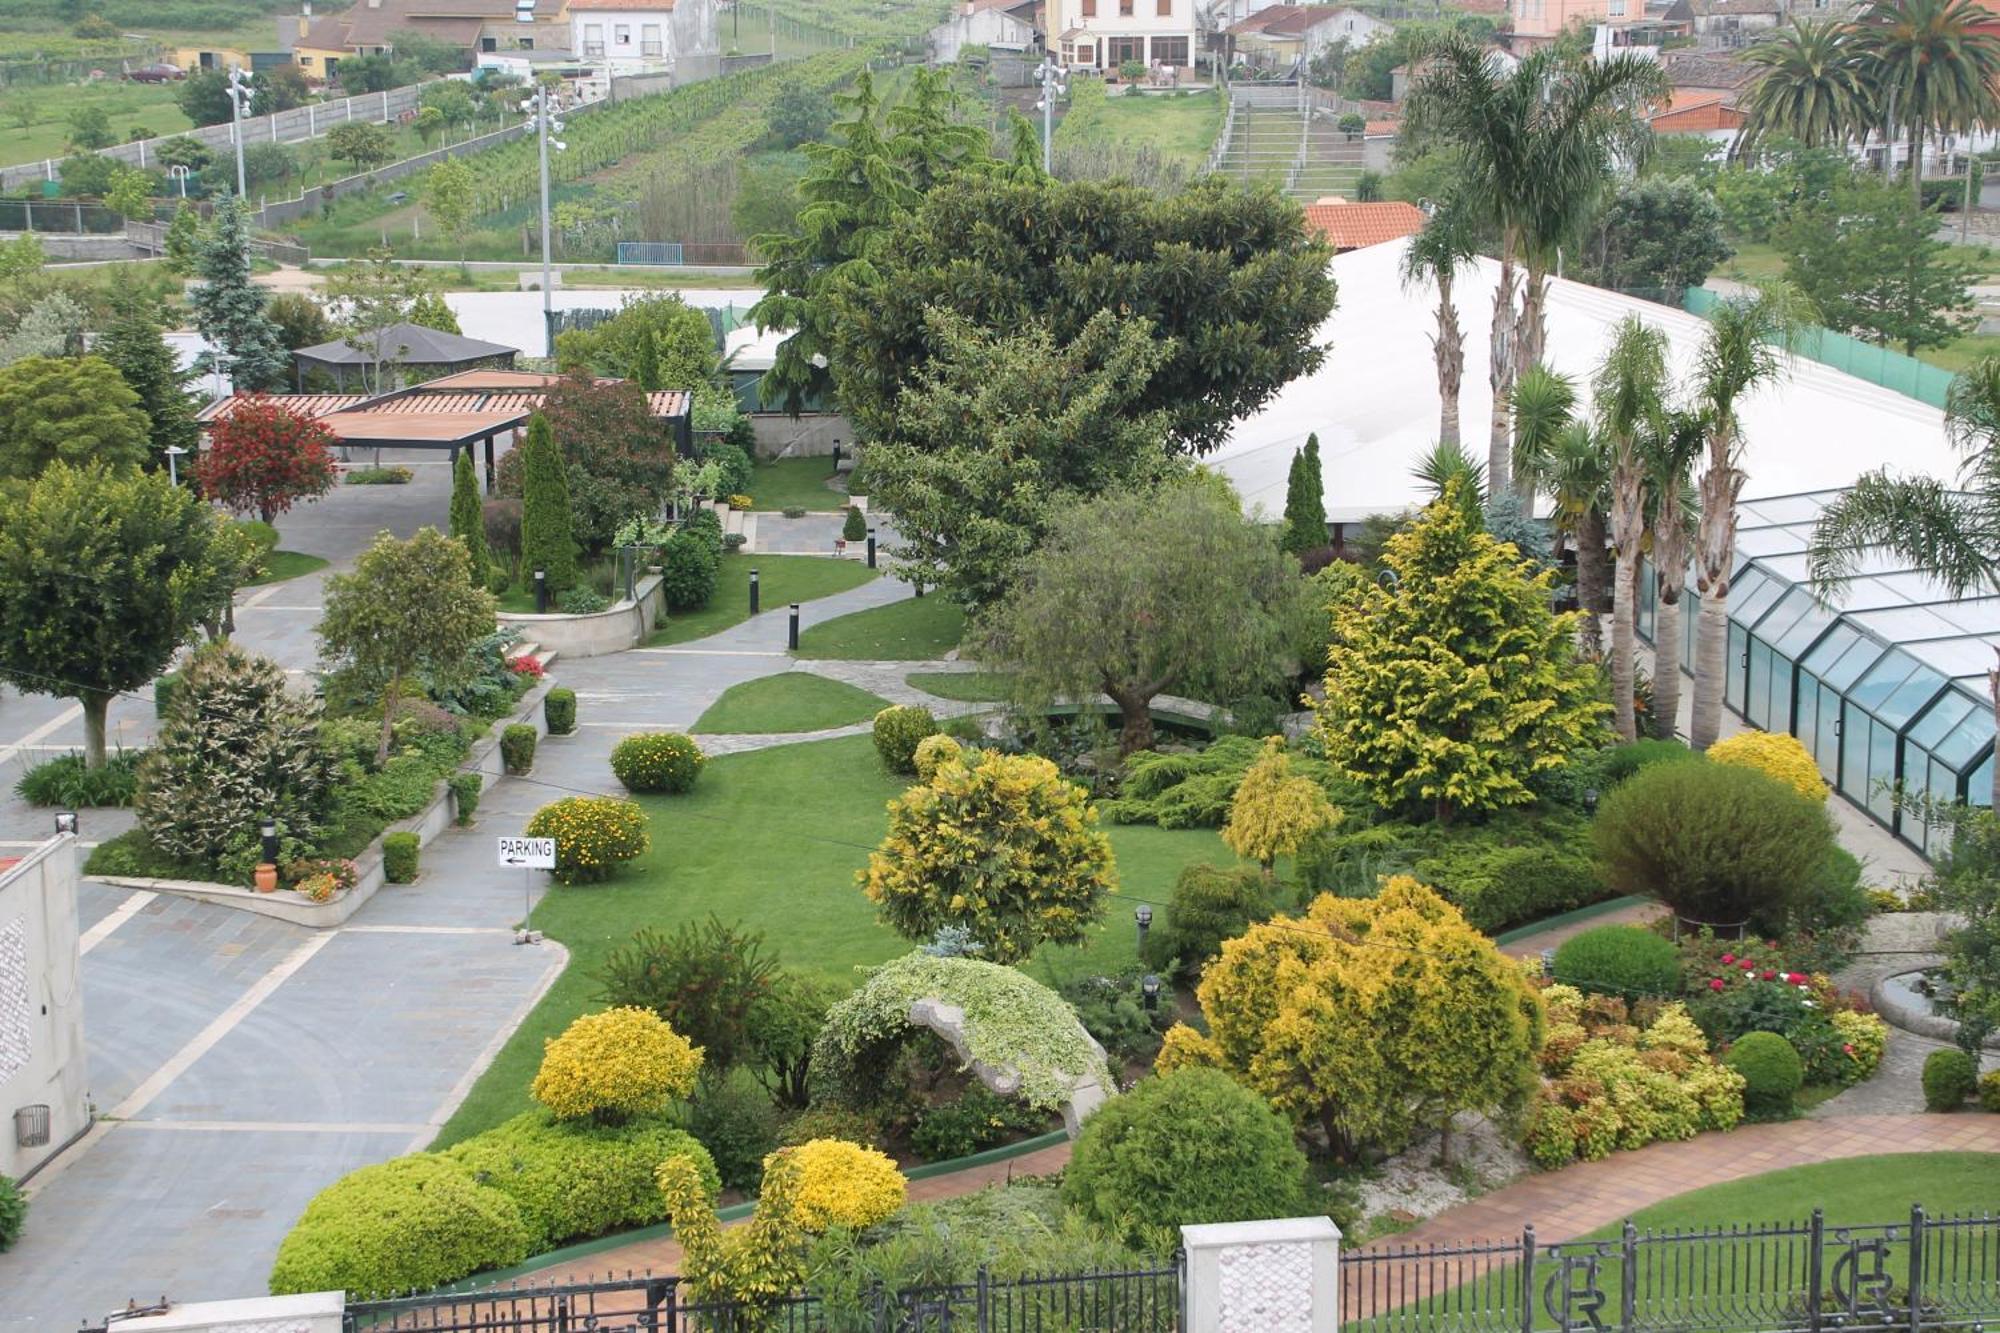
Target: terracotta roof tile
1353, 226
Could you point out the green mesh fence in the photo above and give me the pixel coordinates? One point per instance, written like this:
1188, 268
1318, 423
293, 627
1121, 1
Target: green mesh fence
1865, 361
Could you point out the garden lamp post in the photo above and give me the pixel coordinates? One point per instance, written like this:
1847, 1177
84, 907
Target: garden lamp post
174, 453
180, 174
1150, 990
542, 107
1144, 916
1590, 800
1054, 84
239, 106
65, 822
267, 833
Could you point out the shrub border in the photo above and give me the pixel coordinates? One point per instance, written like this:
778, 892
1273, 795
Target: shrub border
433, 819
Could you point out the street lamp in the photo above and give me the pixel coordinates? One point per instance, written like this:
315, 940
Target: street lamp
542, 107
1144, 916
239, 106
1055, 83
65, 822
174, 452
179, 172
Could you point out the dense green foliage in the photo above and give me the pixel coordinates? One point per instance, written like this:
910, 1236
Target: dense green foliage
559, 710
1627, 961
13, 1213
400, 852
517, 747
67, 783
76, 409
1771, 1073
548, 538
1949, 1078
657, 761
898, 731
1209, 906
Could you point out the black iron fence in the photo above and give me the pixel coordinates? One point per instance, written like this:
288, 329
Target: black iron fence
1804, 1277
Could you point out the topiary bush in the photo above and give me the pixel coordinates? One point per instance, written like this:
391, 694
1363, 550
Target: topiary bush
517, 748
13, 1213
400, 853
898, 732
1209, 905
559, 710
932, 753
855, 528
1717, 843
843, 1184
1775, 755
657, 761
1949, 1078
690, 564
1498, 888
1189, 1147
613, 1065
408, 1224
1772, 1073
576, 1179
465, 792
593, 834
1630, 962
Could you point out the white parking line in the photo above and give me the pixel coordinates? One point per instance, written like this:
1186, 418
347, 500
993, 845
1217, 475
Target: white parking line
48, 728
279, 1126
124, 912
713, 652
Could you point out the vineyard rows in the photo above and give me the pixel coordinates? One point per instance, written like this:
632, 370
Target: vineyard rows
864, 20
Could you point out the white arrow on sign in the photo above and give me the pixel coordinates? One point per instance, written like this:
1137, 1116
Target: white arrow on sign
527, 853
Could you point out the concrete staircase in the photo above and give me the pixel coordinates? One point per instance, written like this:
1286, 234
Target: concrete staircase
1273, 135
1329, 165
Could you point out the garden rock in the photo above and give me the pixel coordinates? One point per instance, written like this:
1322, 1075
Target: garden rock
947, 1020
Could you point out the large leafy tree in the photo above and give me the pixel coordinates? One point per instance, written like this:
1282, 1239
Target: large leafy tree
1231, 285
263, 458
1372, 1018
1654, 234
1631, 393
618, 459
409, 607
1112, 602
134, 347
1811, 88
1453, 687
659, 341
1951, 531
997, 430
1933, 69
76, 409
1538, 146
104, 575
229, 308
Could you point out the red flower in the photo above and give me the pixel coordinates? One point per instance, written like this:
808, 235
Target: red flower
1796, 978
1770, 976
1848, 1047
1729, 958
1715, 983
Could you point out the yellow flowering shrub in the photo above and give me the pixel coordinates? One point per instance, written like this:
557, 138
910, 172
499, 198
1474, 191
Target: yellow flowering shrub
593, 834
842, 1184
615, 1064
1775, 755
933, 753
1863, 1038
1275, 810
1004, 848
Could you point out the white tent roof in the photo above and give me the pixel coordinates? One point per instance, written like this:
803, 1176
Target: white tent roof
1374, 403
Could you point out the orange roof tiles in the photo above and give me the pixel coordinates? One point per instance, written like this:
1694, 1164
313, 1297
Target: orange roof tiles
1353, 226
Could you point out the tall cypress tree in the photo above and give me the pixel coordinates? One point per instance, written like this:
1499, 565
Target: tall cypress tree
547, 539
1305, 510
468, 522
134, 347
229, 309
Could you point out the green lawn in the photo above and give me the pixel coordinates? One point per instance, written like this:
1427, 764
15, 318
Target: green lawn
783, 579
916, 629
130, 106
1180, 127
971, 687
795, 483
282, 565
1855, 1191
794, 701
772, 839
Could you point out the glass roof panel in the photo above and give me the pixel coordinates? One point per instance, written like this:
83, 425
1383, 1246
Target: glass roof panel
1857, 659
1782, 509
1873, 689
1941, 718
1830, 648
1784, 615
1967, 739
1910, 696
1804, 630
1755, 599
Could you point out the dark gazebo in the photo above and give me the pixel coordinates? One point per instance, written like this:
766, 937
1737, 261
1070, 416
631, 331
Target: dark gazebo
405, 347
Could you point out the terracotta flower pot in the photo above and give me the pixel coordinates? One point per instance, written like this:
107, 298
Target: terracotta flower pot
267, 877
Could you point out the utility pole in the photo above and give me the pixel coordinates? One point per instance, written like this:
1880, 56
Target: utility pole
542, 106
239, 105
1054, 84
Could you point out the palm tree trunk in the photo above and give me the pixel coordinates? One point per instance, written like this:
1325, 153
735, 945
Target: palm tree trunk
1916, 165
1590, 580
1711, 648
1715, 556
1449, 350
1666, 663
1623, 579
1532, 336
1501, 370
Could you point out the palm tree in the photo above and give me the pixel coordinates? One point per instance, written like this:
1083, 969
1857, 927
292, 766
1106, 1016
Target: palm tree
1737, 355
1538, 145
1446, 244
1446, 463
1671, 447
1954, 534
1567, 461
1630, 390
1929, 65
1812, 87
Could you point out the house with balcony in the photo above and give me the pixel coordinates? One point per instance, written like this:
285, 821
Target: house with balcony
1101, 35
1538, 22
370, 28
1281, 36
637, 36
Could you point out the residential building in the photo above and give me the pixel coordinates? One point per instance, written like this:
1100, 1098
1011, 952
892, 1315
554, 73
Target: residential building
43, 1073
1540, 21
318, 45
1347, 226
1003, 25
1732, 22
1698, 111
632, 35
1104, 34
1281, 36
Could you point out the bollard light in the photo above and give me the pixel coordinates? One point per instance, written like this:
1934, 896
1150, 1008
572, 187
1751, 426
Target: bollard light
1150, 990
65, 821
754, 599
268, 832
541, 592
792, 633
1590, 800
1144, 916
871, 548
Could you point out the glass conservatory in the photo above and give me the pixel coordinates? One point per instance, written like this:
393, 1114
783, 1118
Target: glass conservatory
1886, 683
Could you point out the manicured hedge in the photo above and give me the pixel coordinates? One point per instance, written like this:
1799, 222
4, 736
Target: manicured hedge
1630, 962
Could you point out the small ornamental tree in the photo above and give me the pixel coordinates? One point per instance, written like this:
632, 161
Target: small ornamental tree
1004, 848
408, 607
1452, 690
1305, 504
77, 409
263, 458
361, 143
1275, 810
468, 518
548, 542
1371, 1018
158, 567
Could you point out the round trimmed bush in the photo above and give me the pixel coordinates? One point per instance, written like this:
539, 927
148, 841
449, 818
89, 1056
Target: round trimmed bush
574, 1179
612, 1065
410, 1223
855, 528
1627, 961
657, 761
1209, 905
1191, 1146
593, 835
690, 564
1949, 1078
932, 753
842, 1184
1772, 1072
898, 732
1775, 755
559, 709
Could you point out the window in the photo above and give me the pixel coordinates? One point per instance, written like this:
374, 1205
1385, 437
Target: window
1165, 9
649, 40
1086, 54
1616, 9
489, 43
1118, 50
593, 39
1125, 8
1170, 51
622, 34
1090, 9
525, 44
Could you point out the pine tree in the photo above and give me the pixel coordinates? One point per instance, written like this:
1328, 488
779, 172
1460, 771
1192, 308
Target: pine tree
229, 310
468, 522
183, 239
134, 347
1305, 510
547, 540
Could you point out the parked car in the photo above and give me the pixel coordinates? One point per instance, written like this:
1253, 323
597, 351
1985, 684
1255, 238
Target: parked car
156, 74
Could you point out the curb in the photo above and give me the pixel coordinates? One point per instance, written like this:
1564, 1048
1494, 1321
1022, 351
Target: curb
1591, 912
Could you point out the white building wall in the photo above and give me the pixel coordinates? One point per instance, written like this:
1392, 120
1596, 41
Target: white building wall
41, 1003
625, 40
1109, 25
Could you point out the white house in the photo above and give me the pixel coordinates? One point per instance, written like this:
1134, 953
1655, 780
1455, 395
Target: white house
1000, 24
1104, 34
633, 36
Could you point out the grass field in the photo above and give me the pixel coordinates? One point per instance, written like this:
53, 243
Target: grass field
1180, 127
131, 106
282, 565
799, 483
783, 578
794, 701
1854, 1191
972, 687
771, 840
916, 629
